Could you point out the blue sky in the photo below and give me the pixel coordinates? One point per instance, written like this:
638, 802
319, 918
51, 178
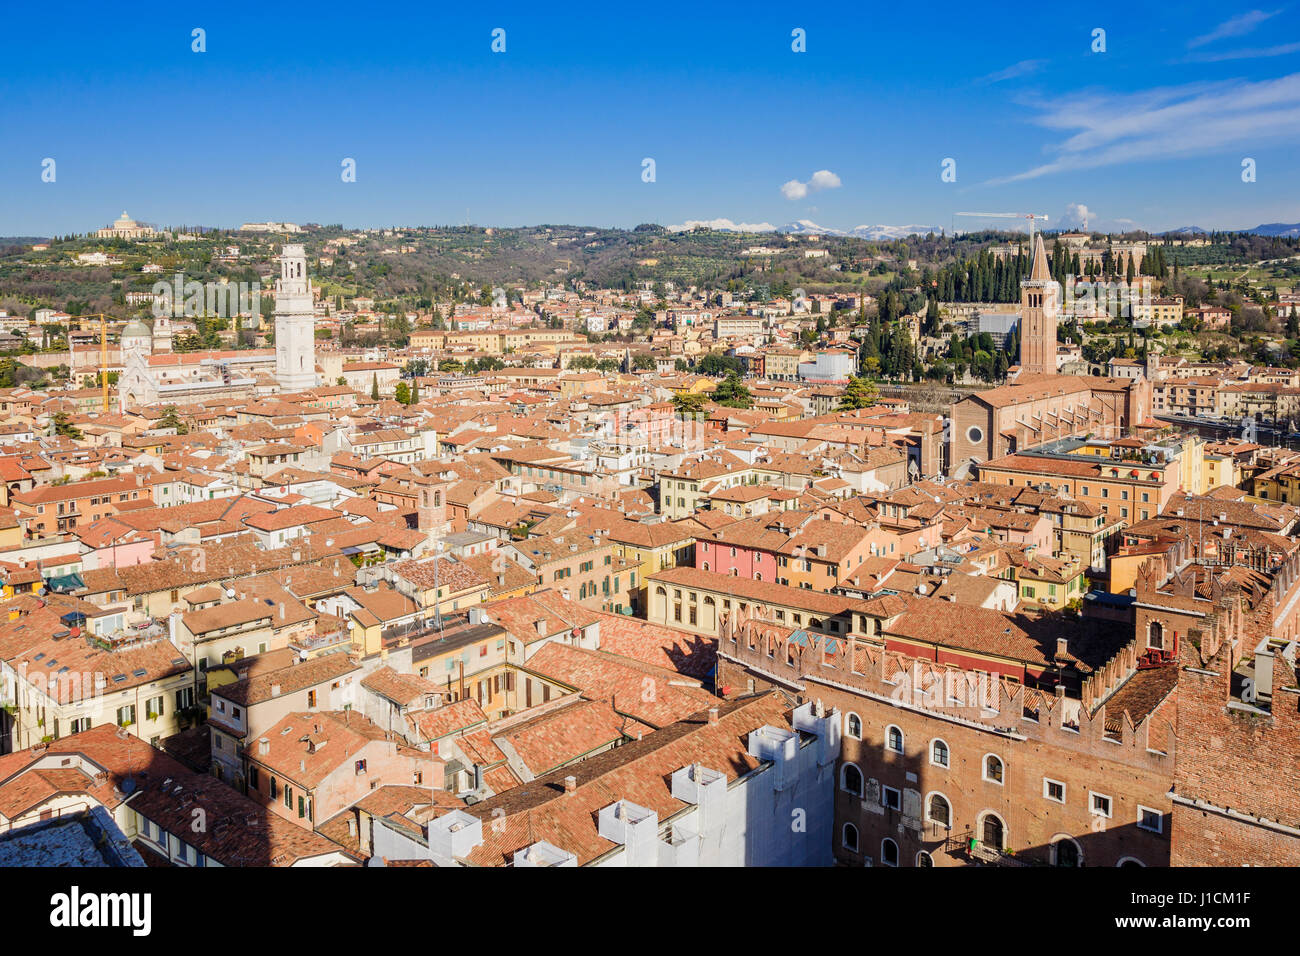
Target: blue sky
1152, 131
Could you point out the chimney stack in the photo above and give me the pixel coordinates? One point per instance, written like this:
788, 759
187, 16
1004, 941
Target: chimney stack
713, 715
570, 784
1062, 647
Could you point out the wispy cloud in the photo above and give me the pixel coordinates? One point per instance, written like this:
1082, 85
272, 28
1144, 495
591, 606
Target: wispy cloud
1250, 53
1237, 26
1023, 68
822, 179
1168, 122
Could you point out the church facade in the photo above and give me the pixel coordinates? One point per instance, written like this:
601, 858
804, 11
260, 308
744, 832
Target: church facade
1038, 405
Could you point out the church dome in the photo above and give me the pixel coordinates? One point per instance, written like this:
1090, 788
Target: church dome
136, 329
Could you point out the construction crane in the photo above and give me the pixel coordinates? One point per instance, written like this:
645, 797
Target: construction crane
103, 352
1008, 215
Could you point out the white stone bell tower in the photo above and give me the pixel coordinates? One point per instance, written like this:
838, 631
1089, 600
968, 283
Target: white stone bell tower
295, 333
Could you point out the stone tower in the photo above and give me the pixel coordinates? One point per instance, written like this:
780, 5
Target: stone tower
295, 333
1039, 307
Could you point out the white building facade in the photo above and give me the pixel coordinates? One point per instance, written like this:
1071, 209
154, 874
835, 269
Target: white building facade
295, 334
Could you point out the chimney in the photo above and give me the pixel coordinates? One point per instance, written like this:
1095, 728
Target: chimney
713, 715
570, 783
263, 747
1062, 647
275, 690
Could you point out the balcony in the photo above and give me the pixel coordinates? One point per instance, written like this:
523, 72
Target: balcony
965, 847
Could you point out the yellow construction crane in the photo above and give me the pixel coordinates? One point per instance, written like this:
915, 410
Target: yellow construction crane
103, 352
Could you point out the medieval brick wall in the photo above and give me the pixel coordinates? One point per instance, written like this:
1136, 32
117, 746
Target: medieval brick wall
1237, 778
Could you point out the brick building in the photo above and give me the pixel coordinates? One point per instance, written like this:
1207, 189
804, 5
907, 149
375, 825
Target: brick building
1238, 772
57, 509
945, 766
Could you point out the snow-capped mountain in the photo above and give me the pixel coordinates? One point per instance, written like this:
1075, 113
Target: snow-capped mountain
892, 232
806, 227
1281, 230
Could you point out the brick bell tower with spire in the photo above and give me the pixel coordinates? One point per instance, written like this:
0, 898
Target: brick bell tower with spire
1039, 307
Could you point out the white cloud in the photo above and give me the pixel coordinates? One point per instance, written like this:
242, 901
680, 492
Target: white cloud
1236, 26
1248, 53
724, 225
1023, 68
1076, 214
822, 179
1166, 123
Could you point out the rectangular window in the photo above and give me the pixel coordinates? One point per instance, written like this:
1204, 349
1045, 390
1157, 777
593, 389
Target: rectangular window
1153, 821
1053, 790
1099, 804
889, 797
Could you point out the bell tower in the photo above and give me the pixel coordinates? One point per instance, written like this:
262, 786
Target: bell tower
295, 334
1039, 307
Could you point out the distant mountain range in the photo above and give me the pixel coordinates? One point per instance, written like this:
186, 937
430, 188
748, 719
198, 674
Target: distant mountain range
1288, 230
805, 227
1278, 229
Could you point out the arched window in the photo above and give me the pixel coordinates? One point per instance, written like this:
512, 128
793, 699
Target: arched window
706, 565
888, 852
1130, 861
938, 810
851, 779
853, 726
850, 838
993, 769
939, 752
1065, 852
893, 739
993, 832
924, 859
